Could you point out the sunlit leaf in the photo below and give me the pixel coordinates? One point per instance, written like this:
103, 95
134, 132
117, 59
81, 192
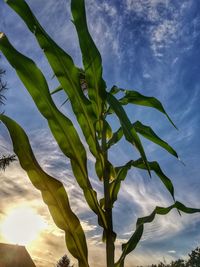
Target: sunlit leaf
61, 127
68, 76
135, 238
53, 193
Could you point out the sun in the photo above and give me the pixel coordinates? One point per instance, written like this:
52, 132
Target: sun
22, 225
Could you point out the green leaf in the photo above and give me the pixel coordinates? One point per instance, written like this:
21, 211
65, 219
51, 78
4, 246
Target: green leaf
116, 137
135, 238
136, 98
128, 130
69, 77
114, 90
148, 133
53, 193
91, 57
154, 166
121, 173
61, 127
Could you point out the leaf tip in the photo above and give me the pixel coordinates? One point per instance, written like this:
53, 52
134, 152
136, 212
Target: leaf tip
181, 161
2, 35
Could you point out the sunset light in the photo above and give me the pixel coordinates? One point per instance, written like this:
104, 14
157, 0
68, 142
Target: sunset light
22, 226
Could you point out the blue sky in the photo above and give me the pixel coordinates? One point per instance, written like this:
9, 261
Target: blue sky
151, 46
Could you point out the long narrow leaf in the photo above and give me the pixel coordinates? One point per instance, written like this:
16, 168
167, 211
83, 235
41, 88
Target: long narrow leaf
128, 130
135, 238
121, 173
114, 90
136, 98
116, 137
154, 166
68, 76
146, 132
91, 57
61, 127
53, 193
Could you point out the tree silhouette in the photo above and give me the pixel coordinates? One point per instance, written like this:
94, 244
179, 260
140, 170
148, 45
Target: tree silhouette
193, 261
194, 258
64, 262
4, 160
3, 87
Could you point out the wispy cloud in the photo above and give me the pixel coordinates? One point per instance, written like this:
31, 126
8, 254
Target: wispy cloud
165, 19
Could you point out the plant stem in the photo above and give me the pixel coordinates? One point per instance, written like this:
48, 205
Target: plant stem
110, 247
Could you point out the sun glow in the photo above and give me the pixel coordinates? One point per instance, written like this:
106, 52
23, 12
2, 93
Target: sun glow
22, 225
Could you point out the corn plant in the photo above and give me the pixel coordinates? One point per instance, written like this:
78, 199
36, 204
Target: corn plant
91, 111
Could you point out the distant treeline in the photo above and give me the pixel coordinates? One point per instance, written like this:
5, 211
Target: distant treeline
193, 261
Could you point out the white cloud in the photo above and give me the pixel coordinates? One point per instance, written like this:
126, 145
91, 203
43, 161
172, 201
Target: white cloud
146, 75
163, 34
164, 18
172, 251
110, 10
149, 8
104, 33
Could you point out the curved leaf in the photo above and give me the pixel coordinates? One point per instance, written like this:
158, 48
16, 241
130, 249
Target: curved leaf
53, 193
61, 127
148, 133
116, 137
136, 98
121, 173
68, 76
114, 90
135, 238
128, 130
91, 58
154, 166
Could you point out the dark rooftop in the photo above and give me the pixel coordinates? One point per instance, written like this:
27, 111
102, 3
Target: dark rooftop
14, 256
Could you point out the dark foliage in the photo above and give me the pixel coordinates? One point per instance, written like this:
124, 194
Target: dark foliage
4, 160
193, 261
2, 87
64, 262
194, 258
